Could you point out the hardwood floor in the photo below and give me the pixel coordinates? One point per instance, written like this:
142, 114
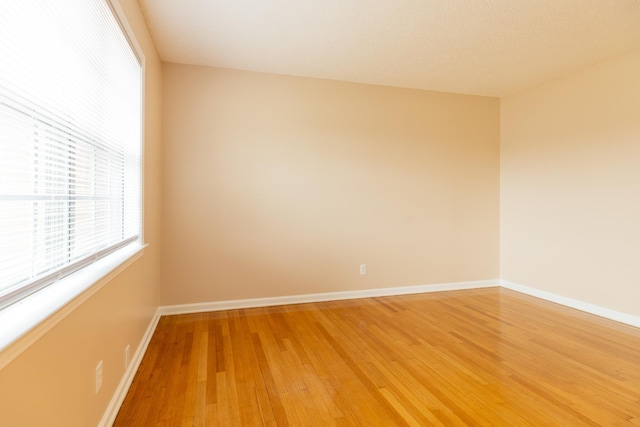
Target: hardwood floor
478, 357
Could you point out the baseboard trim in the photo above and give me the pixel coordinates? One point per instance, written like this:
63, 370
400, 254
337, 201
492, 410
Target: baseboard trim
607, 313
321, 297
111, 412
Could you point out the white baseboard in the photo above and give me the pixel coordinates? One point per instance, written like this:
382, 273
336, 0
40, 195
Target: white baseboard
327, 296
573, 303
121, 391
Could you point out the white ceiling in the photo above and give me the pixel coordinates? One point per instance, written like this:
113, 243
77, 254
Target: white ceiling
482, 47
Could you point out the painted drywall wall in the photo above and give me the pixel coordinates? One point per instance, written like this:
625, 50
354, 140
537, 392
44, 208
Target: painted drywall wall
570, 180
277, 185
52, 382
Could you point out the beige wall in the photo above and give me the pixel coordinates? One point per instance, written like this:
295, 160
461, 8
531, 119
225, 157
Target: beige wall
52, 383
277, 185
570, 186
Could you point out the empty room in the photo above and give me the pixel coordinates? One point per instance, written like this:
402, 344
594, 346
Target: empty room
376, 213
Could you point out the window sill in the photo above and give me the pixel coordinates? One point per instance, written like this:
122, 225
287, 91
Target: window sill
24, 322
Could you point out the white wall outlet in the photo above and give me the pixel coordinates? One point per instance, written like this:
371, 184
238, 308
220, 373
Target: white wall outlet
363, 269
127, 349
98, 376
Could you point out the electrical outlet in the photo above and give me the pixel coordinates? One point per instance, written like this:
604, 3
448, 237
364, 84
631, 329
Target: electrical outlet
363, 269
126, 356
98, 376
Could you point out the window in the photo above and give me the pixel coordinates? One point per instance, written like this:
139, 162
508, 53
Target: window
70, 141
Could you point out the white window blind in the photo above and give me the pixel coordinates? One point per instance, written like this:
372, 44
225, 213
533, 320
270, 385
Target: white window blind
70, 140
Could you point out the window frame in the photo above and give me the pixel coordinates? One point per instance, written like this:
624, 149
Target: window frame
29, 317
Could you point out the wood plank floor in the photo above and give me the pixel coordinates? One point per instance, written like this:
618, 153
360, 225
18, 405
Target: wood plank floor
478, 357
